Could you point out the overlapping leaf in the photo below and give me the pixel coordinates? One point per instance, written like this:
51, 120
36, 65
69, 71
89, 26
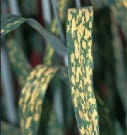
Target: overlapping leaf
31, 98
18, 60
79, 41
12, 22
119, 10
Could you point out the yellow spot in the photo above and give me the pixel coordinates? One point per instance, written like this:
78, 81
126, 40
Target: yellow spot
49, 71
82, 95
81, 114
43, 80
27, 95
34, 96
80, 84
81, 31
69, 16
72, 57
125, 3
77, 52
87, 15
73, 27
87, 34
36, 117
90, 24
73, 80
82, 130
84, 44
73, 69
90, 43
77, 76
38, 74
68, 27
28, 122
73, 90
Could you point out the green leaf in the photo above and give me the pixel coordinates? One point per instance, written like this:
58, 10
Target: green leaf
11, 23
18, 60
119, 11
7, 129
80, 65
105, 118
32, 96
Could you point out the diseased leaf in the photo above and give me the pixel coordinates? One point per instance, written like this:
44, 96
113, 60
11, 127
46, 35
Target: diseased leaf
31, 98
18, 60
79, 41
12, 22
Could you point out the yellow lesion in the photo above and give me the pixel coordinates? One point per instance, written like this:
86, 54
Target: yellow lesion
32, 74
87, 15
40, 71
80, 29
90, 43
82, 130
27, 95
124, 3
73, 69
73, 79
49, 71
83, 44
72, 57
34, 96
73, 29
28, 122
87, 34
77, 51
82, 95
69, 16
77, 77
36, 117
76, 95
73, 90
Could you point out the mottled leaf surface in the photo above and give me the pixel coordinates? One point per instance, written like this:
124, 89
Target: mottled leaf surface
18, 60
31, 98
12, 22
79, 41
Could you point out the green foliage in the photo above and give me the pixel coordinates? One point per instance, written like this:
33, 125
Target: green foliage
12, 22
87, 99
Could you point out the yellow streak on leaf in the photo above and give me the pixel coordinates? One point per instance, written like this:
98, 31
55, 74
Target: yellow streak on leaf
28, 121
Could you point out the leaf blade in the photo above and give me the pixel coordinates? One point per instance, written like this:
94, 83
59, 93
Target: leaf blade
12, 22
80, 66
34, 92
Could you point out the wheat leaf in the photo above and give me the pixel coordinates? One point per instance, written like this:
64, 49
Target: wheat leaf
79, 41
18, 60
32, 96
12, 22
